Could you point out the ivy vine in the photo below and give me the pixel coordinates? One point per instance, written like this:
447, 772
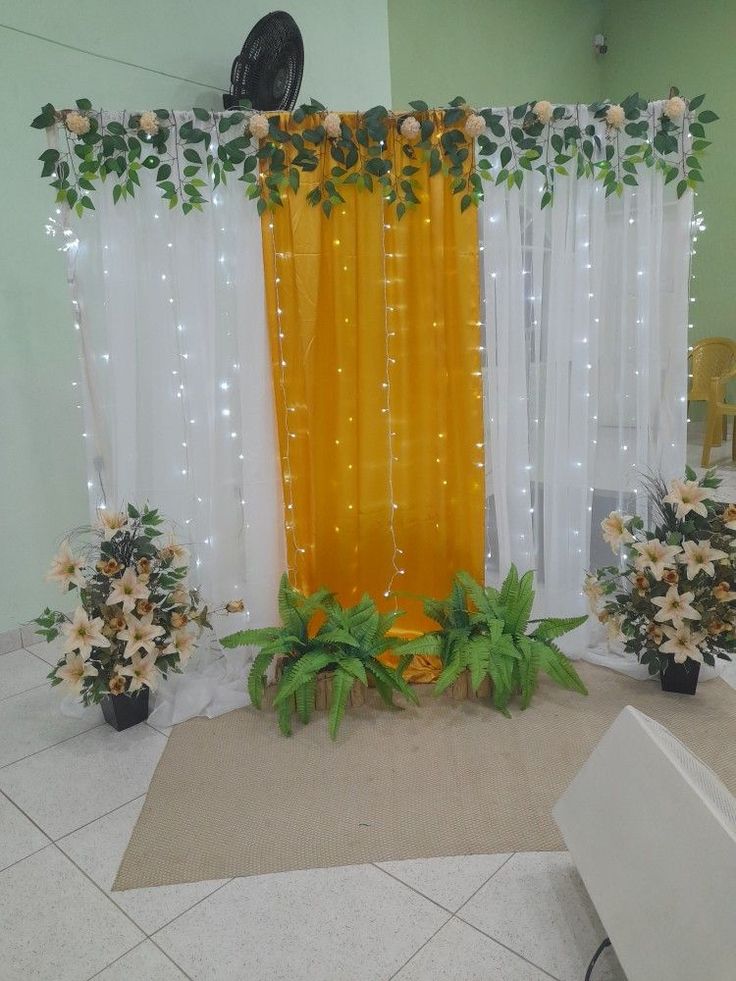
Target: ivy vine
271, 153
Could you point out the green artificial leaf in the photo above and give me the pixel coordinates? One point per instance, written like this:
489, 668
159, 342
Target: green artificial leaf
342, 684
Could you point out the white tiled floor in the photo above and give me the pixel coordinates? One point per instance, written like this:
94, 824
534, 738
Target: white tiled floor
70, 792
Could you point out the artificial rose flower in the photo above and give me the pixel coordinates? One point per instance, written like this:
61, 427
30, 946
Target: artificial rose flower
75, 669
139, 635
82, 634
116, 685
699, 557
716, 627
675, 607
143, 566
180, 596
410, 128
258, 126
729, 517
614, 529
66, 568
332, 124
235, 606
474, 126
683, 643
615, 117
654, 633
675, 107
127, 590
116, 622
144, 607
111, 522
142, 671
174, 552
613, 629
656, 556
641, 583
670, 576
76, 123
722, 592
149, 122
544, 111
687, 496
179, 620
108, 567
182, 643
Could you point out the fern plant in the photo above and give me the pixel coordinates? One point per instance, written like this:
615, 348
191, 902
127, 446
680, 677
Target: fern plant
348, 644
486, 631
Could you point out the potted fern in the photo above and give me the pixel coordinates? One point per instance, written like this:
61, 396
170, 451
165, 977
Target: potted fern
484, 632
325, 668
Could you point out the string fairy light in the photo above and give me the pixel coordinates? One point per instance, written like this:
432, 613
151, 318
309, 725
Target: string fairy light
396, 567
289, 509
697, 227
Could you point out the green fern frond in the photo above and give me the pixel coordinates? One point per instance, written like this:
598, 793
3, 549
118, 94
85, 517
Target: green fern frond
477, 594
342, 683
553, 627
304, 697
426, 644
257, 675
283, 714
247, 638
393, 679
518, 610
509, 587
528, 671
558, 667
383, 687
354, 667
477, 660
303, 669
329, 634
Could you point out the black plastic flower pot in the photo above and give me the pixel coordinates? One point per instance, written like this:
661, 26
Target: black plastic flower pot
680, 678
124, 711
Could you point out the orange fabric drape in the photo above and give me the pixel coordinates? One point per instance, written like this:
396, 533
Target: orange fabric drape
358, 302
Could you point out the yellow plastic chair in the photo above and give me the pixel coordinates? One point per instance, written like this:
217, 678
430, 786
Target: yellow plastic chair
718, 410
711, 360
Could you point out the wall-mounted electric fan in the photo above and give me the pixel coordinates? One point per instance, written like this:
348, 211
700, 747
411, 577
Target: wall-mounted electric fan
268, 71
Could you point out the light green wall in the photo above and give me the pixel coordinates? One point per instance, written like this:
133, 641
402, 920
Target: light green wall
41, 454
658, 43
494, 52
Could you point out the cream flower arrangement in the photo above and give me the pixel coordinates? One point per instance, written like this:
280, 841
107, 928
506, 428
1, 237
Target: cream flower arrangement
136, 620
544, 111
675, 107
410, 128
149, 123
333, 125
258, 126
615, 117
673, 595
77, 123
474, 126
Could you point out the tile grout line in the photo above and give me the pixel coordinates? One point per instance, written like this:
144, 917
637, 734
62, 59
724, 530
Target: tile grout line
152, 936
146, 939
68, 834
509, 949
20, 759
24, 691
440, 927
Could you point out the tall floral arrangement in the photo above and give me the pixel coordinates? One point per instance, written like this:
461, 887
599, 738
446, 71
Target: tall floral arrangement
673, 595
136, 619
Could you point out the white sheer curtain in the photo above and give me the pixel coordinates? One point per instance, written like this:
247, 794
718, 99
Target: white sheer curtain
178, 405
585, 312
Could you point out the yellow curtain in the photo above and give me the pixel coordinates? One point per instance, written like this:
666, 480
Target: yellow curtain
376, 366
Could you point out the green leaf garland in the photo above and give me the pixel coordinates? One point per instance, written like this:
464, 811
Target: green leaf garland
190, 154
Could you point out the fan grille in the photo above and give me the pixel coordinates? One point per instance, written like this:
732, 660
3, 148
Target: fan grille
268, 71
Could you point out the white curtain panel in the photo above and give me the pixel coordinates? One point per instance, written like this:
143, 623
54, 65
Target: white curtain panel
585, 312
177, 400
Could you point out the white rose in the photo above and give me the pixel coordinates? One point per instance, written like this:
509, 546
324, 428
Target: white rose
410, 128
615, 117
543, 111
675, 107
332, 124
77, 123
258, 125
148, 122
474, 126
